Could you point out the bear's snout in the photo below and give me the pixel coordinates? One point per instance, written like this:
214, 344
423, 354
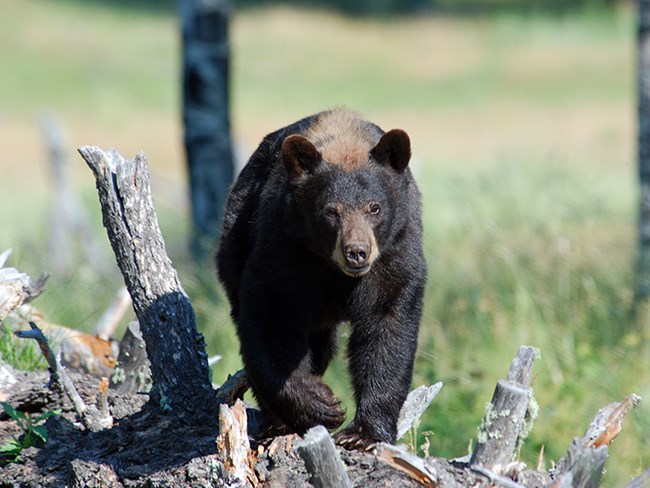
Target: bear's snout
356, 247
356, 255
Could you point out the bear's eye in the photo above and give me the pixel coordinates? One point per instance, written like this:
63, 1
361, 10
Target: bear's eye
374, 208
332, 212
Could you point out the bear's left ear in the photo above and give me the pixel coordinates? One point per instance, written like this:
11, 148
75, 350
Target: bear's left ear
393, 148
299, 155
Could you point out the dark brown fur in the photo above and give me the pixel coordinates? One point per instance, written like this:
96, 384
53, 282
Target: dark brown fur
323, 226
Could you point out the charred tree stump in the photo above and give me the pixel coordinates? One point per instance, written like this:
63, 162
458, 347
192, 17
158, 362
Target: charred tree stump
179, 363
204, 25
508, 419
642, 291
322, 461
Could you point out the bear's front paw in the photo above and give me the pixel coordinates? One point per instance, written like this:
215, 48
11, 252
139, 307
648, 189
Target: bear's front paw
307, 402
353, 437
324, 407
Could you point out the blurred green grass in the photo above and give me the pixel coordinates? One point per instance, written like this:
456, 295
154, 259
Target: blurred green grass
523, 139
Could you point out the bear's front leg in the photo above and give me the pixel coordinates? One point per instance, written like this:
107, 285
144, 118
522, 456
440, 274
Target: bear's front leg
381, 353
281, 373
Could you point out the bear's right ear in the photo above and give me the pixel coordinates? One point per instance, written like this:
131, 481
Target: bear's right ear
394, 148
299, 155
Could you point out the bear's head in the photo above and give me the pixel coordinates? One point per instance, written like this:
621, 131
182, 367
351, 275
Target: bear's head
347, 214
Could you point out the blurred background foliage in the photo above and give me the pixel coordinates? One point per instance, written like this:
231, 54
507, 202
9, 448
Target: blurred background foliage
522, 118
391, 7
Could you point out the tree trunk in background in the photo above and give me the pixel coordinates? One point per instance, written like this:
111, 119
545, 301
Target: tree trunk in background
643, 76
206, 116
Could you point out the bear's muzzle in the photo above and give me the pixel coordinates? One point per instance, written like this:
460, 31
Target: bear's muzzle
356, 246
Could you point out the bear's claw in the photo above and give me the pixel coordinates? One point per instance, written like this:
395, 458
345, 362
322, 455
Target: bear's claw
354, 438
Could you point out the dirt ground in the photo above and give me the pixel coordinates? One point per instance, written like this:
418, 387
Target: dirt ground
145, 447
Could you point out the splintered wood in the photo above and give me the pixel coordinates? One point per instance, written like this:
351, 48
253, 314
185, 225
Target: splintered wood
415, 405
400, 458
233, 444
16, 288
608, 422
584, 462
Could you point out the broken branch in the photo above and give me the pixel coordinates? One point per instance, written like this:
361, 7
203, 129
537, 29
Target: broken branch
92, 418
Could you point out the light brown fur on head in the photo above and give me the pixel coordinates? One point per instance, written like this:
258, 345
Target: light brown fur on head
342, 138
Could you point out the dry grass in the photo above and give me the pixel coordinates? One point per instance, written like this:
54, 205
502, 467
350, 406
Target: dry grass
523, 133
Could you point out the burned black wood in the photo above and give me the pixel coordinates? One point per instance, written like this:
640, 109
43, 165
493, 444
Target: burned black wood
642, 288
322, 460
179, 363
509, 416
132, 373
233, 388
206, 116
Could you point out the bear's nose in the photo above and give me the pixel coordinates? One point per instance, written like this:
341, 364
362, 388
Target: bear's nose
356, 255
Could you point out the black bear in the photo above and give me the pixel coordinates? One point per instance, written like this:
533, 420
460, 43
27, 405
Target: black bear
324, 226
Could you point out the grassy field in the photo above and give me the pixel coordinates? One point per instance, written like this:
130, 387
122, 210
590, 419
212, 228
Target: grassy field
523, 136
